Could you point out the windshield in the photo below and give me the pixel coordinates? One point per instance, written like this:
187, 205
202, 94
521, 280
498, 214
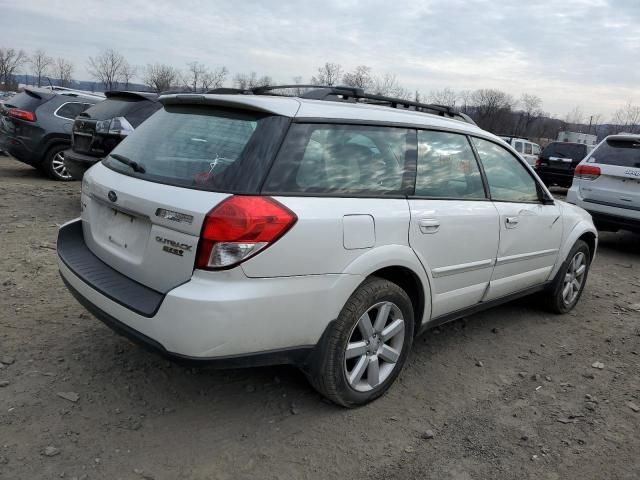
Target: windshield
189, 146
573, 151
624, 153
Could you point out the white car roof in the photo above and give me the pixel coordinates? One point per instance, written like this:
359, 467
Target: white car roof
296, 107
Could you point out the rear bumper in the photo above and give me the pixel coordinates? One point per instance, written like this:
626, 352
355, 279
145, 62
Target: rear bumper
224, 317
77, 163
606, 216
605, 221
553, 177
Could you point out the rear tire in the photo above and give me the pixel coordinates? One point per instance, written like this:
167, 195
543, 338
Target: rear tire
570, 280
366, 346
53, 164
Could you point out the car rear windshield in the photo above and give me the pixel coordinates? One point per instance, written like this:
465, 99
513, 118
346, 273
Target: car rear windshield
573, 151
28, 101
198, 147
624, 153
113, 107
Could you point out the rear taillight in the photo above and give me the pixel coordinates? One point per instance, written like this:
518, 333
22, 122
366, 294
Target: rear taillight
538, 162
587, 172
240, 227
115, 126
22, 114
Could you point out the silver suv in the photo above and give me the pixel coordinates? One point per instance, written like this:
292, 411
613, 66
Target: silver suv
607, 184
324, 231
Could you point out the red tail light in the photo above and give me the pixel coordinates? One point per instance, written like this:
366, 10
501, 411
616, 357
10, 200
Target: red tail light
538, 162
240, 227
587, 172
22, 114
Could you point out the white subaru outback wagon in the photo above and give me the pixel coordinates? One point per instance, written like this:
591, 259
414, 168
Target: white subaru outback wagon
325, 230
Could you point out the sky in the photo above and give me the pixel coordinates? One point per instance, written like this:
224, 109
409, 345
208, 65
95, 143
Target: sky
571, 53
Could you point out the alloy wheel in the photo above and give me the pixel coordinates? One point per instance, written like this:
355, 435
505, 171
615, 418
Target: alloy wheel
574, 278
59, 167
374, 346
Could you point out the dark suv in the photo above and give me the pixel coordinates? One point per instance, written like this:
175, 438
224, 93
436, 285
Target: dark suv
558, 161
35, 126
100, 128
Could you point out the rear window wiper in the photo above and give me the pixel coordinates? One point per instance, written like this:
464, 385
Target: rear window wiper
135, 166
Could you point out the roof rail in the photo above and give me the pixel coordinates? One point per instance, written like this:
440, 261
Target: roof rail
343, 93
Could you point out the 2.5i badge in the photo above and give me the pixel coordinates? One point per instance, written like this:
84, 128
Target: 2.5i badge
173, 247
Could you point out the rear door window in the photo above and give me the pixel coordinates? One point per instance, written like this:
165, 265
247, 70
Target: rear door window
71, 110
341, 160
447, 167
527, 149
620, 152
200, 147
518, 147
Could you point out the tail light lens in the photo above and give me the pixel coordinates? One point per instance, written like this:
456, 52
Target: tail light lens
240, 227
115, 126
587, 172
538, 162
22, 114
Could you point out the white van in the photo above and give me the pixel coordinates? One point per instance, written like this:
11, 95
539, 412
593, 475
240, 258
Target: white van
528, 150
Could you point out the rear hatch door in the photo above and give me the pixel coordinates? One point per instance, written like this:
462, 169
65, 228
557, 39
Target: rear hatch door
563, 157
92, 132
28, 101
619, 182
146, 224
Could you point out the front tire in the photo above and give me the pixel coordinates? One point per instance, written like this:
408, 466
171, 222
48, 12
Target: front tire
54, 166
367, 346
569, 283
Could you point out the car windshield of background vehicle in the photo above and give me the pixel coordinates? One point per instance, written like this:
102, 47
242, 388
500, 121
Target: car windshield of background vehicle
565, 150
447, 167
624, 153
190, 146
340, 159
508, 179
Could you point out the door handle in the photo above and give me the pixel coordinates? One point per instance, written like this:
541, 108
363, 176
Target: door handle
511, 222
429, 225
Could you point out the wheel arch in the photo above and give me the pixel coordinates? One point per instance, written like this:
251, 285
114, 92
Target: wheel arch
398, 264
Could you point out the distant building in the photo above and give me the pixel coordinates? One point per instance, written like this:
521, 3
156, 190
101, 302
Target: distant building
575, 137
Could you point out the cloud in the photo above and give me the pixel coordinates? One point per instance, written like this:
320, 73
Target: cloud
570, 52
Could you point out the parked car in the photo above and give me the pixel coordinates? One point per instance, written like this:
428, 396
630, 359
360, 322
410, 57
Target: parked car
35, 126
98, 130
558, 161
607, 184
323, 231
527, 149
4, 96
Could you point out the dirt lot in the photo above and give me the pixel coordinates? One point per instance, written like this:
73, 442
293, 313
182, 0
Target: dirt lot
510, 393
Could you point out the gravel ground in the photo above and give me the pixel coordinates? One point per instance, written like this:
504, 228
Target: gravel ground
509, 393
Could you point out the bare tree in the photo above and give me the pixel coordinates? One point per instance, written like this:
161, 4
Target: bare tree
63, 71
160, 77
492, 109
626, 119
107, 68
531, 109
195, 72
328, 74
40, 63
388, 85
360, 77
575, 119
446, 97
10, 61
247, 81
127, 73
214, 78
